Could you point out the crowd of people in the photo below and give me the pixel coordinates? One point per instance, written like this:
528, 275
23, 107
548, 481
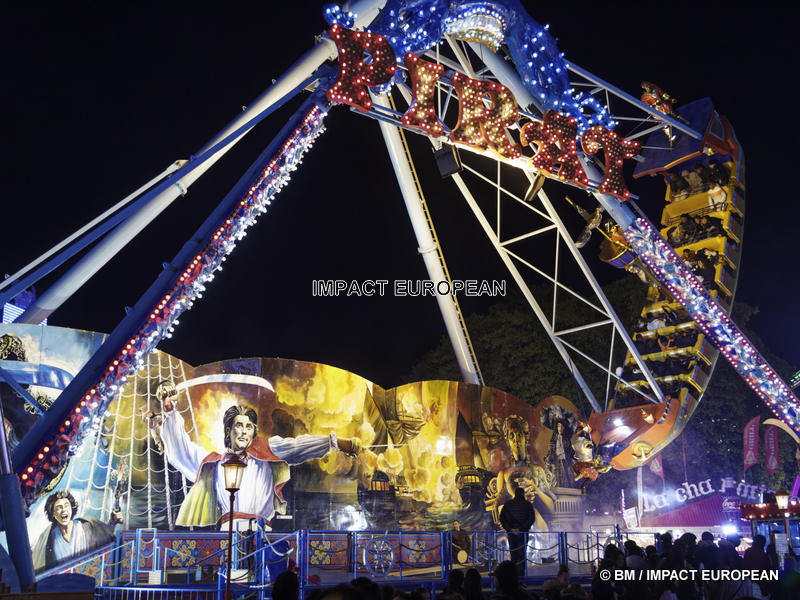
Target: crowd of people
686, 553
663, 366
664, 317
691, 229
671, 387
702, 178
462, 584
704, 263
683, 338
656, 321
660, 368
689, 553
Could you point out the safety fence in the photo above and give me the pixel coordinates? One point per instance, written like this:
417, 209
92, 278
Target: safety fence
103, 564
151, 564
157, 593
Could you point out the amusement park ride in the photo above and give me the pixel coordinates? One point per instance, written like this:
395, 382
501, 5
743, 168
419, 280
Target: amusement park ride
487, 81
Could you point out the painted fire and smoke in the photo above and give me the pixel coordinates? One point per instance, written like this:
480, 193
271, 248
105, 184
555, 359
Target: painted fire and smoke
416, 456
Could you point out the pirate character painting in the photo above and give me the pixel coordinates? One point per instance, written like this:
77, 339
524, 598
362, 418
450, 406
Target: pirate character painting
537, 482
265, 473
571, 453
69, 535
561, 456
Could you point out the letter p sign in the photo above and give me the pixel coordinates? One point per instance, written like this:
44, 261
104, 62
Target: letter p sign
365, 59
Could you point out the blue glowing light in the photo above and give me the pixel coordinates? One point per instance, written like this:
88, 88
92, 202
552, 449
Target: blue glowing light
419, 25
333, 14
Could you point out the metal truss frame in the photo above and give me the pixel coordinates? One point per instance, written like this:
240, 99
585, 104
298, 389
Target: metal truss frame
549, 223
635, 118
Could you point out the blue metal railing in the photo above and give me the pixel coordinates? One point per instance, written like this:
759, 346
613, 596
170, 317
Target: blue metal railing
274, 549
102, 563
327, 557
160, 592
206, 560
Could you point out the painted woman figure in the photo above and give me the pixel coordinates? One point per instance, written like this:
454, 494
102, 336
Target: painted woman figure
560, 456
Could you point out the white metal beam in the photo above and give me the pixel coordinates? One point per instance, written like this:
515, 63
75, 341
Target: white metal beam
589, 276
428, 248
94, 260
526, 236
523, 286
502, 71
583, 327
633, 101
614, 375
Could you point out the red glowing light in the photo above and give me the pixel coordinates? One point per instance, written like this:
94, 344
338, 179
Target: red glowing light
421, 113
555, 138
484, 127
355, 75
616, 149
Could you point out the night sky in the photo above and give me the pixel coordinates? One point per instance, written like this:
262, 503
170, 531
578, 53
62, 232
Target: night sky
97, 103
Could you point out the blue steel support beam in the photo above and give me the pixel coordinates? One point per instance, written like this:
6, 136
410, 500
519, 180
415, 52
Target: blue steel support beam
635, 101
16, 528
12, 514
681, 282
69, 252
46, 427
678, 278
194, 162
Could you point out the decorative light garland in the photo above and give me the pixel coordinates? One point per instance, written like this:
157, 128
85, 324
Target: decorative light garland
412, 25
482, 22
355, 73
421, 113
615, 149
481, 124
190, 285
419, 25
712, 320
334, 14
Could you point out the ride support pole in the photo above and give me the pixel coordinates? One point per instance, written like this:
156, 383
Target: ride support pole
284, 88
428, 247
46, 426
230, 549
12, 515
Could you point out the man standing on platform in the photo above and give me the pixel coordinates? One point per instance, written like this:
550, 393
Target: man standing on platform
517, 517
461, 544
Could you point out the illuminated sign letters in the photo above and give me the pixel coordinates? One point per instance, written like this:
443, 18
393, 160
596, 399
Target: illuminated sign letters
692, 491
486, 111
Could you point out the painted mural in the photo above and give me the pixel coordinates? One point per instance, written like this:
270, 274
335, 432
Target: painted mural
42, 360
325, 449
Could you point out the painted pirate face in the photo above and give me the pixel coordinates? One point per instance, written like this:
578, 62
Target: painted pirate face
517, 442
242, 433
583, 447
62, 511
